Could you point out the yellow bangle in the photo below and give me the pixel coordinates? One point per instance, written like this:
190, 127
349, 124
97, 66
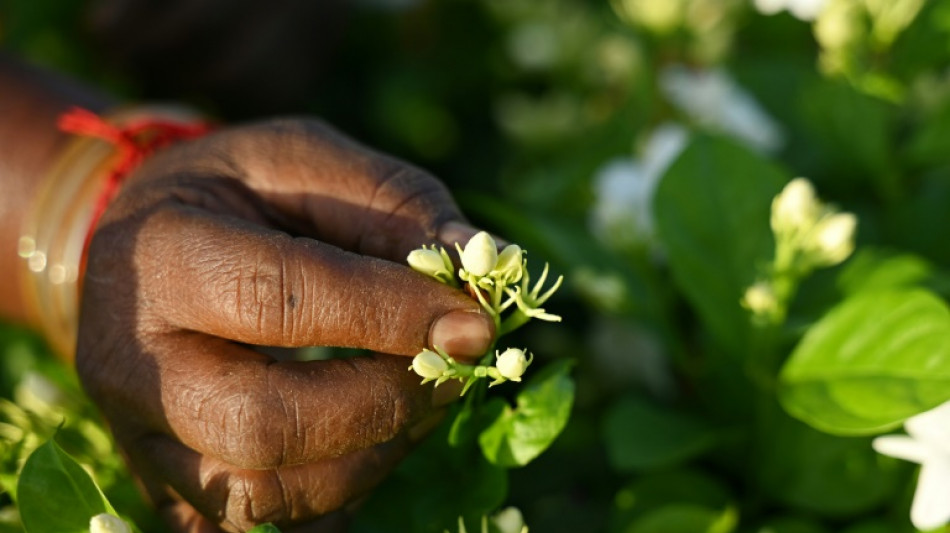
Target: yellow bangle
55, 231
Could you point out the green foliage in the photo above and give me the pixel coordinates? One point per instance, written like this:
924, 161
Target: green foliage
873, 361
55, 493
683, 412
712, 214
519, 435
640, 435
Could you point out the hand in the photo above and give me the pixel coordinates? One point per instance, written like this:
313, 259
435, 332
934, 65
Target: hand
280, 234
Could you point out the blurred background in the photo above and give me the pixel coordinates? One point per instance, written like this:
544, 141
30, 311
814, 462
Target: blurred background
555, 123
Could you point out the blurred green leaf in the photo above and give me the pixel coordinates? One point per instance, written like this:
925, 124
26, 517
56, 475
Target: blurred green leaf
803, 468
712, 209
787, 524
56, 495
264, 528
685, 518
870, 363
651, 491
544, 404
853, 134
874, 270
640, 435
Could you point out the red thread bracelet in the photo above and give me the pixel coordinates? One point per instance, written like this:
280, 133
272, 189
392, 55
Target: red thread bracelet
134, 142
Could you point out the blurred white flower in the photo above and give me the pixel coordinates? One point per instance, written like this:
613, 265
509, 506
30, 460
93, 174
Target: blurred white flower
760, 299
807, 10
509, 520
796, 208
623, 188
107, 523
716, 102
928, 444
833, 239
534, 45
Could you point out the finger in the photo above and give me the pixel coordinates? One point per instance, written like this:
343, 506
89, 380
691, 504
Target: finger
237, 499
337, 190
229, 402
235, 280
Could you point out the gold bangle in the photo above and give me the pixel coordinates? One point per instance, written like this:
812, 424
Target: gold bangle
54, 232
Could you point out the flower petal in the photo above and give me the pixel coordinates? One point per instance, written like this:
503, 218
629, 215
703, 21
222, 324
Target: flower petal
931, 507
902, 447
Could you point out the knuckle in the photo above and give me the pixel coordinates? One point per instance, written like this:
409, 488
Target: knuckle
250, 434
252, 498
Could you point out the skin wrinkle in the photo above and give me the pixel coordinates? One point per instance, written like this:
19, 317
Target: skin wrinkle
194, 252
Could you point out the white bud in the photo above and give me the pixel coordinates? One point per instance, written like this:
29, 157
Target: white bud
508, 266
480, 254
512, 363
833, 238
509, 520
760, 299
107, 523
428, 262
429, 364
795, 208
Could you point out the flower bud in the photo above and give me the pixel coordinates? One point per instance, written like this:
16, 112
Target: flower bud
107, 523
508, 267
480, 254
509, 520
833, 238
512, 363
795, 208
428, 262
429, 364
760, 299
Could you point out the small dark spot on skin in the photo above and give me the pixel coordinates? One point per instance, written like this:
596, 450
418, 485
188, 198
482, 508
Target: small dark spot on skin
292, 301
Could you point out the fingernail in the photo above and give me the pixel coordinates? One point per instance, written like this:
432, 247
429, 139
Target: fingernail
462, 333
425, 426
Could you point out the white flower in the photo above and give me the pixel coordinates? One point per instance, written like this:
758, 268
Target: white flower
512, 363
429, 364
480, 254
807, 10
832, 239
107, 523
622, 213
796, 208
714, 101
928, 444
509, 520
760, 299
509, 265
429, 262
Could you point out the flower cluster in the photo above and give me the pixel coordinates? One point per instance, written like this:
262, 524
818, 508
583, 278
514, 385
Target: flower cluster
501, 284
809, 234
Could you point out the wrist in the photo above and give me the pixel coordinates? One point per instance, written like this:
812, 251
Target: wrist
29, 143
79, 185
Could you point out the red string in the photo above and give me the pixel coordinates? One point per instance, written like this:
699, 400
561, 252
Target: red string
134, 142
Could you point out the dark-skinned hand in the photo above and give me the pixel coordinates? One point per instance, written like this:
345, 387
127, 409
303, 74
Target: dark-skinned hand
279, 234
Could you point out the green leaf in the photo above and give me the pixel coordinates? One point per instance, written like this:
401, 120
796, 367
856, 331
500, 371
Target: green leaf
803, 468
519, 435
685, 518
639, 435
56, 495
875, 270
712, 209
871, 362
264, 528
